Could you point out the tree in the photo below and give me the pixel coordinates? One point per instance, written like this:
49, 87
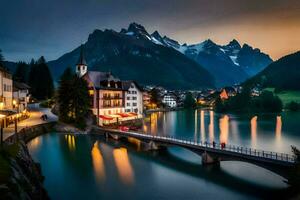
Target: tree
21, 73
1, 57
80, 101
243, 102
73, 99
65, 84
40, 80
293, 106
154, 97
189, 101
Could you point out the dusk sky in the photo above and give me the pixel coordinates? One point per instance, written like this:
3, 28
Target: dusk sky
51, 28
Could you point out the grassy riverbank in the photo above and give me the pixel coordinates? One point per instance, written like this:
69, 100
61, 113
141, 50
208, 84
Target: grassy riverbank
286, 96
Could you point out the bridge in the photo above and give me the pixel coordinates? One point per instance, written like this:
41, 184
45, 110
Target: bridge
279, 163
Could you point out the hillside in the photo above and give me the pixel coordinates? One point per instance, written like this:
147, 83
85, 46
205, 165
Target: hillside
283, 74
131, 54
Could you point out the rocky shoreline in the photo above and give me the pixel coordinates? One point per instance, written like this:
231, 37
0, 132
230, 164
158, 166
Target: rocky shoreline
25, 179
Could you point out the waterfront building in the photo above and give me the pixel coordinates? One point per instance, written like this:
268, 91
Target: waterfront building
133, 97
146, 99
20, 96
170, 100
6, 89
112, 100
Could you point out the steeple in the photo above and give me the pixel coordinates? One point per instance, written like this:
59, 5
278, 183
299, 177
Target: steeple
81, 67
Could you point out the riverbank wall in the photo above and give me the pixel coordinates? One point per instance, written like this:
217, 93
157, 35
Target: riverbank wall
20, 176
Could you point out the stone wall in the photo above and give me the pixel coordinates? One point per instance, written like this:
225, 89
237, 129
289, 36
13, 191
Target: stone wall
25, 177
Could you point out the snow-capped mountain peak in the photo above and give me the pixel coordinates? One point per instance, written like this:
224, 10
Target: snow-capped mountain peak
234, 44
137, 30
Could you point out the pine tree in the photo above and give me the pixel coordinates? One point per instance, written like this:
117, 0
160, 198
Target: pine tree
65, 84
73, 99
189, 101
80, 101
21, 73
1, 58
40, 80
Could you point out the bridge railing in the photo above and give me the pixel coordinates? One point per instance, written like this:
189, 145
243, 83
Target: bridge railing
219, 146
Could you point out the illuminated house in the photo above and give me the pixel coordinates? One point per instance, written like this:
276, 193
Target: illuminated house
20, 95
112, 100
6, 90
170, 100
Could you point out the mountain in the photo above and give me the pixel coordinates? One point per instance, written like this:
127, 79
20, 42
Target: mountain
230, 64
134, 54
282, 74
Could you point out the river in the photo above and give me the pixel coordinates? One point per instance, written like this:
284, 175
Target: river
92, 167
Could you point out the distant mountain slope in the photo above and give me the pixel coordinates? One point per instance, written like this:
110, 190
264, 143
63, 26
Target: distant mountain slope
133, 51
131, 54
282, 74
229, 64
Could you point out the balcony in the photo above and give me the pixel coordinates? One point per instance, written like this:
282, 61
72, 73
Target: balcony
112, 106
109, 97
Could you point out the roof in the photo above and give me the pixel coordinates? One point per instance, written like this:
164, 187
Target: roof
229, 89
171, 94
20, 86
81, 60
126, 85
98, 79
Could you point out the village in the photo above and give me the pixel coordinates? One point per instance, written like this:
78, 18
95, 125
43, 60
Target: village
111, 99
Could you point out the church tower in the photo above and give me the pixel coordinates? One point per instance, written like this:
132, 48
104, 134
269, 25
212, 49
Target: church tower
81, 67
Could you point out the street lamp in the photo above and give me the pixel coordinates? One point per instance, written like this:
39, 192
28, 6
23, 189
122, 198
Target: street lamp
16, 105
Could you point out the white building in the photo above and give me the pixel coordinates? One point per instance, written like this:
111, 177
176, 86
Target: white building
133, 97
20, 95
170, 100
6, 90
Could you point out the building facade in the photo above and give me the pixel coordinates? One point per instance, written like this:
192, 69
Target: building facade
112, 100
6, 90
170, 100
20, 96
133, 97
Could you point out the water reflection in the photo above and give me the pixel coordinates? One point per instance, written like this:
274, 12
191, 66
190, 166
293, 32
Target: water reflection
224, 128
98, 163
71, 142
207, 125
253, 131
211, 126
35, 143
202, 125
278, 131
153, 123
196, 126
123, 165
136, 142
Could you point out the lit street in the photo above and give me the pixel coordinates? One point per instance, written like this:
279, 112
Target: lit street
35, 118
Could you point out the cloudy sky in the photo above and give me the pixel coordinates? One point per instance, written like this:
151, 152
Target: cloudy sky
31, 28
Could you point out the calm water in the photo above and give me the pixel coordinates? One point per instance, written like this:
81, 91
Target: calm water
92, 167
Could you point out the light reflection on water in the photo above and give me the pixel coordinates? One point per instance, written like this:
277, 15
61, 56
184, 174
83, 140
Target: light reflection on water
123, 172
98, 162
267, 132
211, 126
254, 131
36, 143
70, 139
123, 165
224, 129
